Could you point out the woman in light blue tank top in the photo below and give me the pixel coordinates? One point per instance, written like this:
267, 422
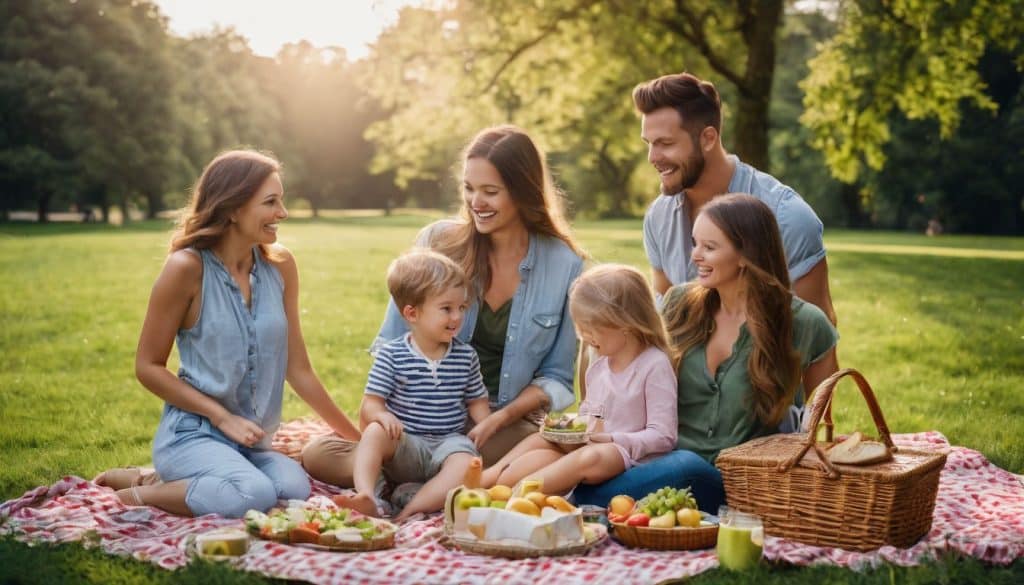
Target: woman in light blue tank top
228, 295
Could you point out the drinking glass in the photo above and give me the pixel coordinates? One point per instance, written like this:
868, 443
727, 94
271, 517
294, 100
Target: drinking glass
740, 539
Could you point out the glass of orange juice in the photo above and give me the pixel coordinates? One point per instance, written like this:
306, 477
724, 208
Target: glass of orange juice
740, 539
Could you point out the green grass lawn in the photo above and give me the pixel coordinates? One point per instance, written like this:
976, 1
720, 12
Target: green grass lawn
936, 324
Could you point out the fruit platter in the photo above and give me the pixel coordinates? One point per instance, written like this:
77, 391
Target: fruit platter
566, 428
666, 519
523, 522
339, 529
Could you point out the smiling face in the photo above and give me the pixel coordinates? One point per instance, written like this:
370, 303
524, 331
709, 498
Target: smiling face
672, 149
438, 319
487, 197
717, 259
257, 220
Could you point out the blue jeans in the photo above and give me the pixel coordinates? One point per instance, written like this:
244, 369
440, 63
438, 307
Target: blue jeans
678, 469
224, 477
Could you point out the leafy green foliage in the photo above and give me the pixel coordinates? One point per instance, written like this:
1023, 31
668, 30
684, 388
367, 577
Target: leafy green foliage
918, 57
101, 105
563, 70
90, 88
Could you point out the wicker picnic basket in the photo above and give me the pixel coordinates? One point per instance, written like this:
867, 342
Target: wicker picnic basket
788, 480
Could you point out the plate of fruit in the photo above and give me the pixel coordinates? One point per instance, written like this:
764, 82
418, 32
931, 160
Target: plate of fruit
566, 428
339, 529
666, 519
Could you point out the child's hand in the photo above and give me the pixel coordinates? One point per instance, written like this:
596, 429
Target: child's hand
391, 424
600, 438
485, 429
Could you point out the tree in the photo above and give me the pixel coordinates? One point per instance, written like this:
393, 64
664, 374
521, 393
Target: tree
918, 57
969, 182
224, 99
89, 87
564, 70
42, 102
794, 160
324, 115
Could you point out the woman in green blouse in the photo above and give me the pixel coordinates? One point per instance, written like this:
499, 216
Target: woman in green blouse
746, 349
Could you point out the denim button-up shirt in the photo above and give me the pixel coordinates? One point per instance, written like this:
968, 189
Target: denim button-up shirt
540, 344
236, 354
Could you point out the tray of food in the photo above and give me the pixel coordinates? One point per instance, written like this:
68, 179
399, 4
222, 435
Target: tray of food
592, 534
667, 519
337, 529
567, 428
517, 523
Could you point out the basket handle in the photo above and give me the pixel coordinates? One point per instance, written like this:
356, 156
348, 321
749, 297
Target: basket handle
821, 405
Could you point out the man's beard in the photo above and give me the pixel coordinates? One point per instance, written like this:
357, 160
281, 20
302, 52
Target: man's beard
692, 169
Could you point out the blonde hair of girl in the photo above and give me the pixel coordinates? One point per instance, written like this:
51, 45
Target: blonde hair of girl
618, 296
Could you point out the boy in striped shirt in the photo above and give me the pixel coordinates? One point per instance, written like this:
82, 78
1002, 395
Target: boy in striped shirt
420, 390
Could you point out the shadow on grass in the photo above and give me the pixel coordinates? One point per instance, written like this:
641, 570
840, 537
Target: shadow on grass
71, 563
949, 569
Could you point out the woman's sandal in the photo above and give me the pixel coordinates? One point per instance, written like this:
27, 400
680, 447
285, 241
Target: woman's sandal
130, 496
121, 478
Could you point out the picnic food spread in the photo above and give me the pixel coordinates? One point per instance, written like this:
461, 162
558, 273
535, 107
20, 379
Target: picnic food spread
664, 519
527, 518
567, 428
557, 422
341, 528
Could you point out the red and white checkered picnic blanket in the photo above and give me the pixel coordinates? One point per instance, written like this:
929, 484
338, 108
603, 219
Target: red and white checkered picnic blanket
979, 512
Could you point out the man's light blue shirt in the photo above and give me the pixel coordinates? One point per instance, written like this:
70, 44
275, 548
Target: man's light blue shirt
668, 238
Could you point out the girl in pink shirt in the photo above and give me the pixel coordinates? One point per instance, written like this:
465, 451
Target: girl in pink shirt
631, 388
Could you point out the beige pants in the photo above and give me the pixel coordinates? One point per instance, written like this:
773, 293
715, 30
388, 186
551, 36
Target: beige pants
330, 459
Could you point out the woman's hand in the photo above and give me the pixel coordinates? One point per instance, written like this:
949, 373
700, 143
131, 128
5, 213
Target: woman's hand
600, 438
485, 429
240, 429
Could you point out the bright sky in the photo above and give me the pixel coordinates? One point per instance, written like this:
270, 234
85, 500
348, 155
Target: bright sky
268, 24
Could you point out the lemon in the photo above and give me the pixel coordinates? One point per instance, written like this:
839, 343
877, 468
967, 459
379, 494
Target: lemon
688, 517
216, 548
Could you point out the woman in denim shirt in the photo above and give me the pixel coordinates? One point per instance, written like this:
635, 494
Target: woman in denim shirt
513, 242
228, 296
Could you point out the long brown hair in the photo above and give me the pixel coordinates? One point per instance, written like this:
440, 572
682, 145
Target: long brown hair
618, 296
774, 365
522, 168
227, 183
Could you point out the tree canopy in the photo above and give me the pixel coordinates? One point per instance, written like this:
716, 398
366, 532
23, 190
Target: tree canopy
887, 113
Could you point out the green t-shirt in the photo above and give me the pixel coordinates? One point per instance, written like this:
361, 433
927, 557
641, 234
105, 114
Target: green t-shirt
715, 411
489, 342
